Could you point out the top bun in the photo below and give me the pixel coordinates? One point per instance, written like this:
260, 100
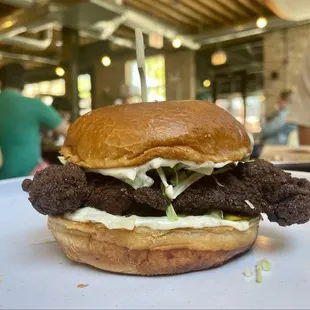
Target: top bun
133, 134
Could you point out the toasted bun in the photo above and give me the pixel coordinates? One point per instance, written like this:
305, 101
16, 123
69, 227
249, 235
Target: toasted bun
131, 135
145, 251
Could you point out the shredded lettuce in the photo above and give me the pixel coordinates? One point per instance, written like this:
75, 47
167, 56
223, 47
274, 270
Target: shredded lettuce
217, 181
62, 160
168, 189
247, 272
265, 264
262, 265
250, 204
259, 277
140, 181
183, 182
180, 176
247, 160
217, 214
162, 176
226, 168
171, 215
182, 186
170, 212
176, 175
175, 179
202, 170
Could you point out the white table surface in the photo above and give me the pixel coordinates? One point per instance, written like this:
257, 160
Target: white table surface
36, 275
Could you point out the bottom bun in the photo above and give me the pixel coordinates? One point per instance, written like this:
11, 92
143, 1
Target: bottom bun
145, 251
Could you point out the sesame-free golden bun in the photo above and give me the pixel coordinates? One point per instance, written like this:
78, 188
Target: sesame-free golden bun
133, 134
145, 251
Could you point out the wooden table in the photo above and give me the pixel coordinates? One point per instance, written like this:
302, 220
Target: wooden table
286, 153
288, 158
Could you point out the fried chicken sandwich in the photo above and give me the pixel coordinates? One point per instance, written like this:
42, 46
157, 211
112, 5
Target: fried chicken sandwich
162, 188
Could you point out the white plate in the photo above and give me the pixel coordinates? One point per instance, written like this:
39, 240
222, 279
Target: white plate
36, 275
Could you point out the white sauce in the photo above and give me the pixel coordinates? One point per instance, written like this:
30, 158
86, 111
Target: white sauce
89, 214
137, 177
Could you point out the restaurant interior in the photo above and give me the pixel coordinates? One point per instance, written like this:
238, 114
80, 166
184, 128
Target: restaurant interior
80, 55
198, 198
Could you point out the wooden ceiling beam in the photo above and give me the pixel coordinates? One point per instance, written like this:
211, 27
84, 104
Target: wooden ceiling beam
146, 8
252, 6
188, 11
235, 7
154, 7
220, 9
262, 2
194, 4
264, 7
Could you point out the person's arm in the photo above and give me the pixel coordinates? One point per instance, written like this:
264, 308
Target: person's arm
273, 126
50, 118
288, 128
62, 128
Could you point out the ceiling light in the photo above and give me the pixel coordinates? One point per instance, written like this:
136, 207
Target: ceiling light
106, 61
206, 83
177, 43
261, 22
58, 43
60, 71
218, 58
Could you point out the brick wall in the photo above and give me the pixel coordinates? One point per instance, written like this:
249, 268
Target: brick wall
283, 53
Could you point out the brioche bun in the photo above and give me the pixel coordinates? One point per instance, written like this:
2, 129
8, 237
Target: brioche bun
145, 251
133, 134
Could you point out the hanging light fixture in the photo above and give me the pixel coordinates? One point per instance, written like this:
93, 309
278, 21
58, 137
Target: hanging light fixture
177, 43
59, 43
206, 83
106, 61
219, 58
60, 71
261, 22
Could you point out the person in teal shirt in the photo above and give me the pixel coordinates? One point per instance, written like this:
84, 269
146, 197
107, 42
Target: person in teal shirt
21, 120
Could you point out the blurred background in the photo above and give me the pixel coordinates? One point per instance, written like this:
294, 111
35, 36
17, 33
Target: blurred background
80, 54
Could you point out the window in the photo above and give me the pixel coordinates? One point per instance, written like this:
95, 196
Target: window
155, 79
84, 88
253, 112
47, 90
234, 105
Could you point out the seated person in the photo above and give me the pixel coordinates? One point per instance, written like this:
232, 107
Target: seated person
21, 119
276, 130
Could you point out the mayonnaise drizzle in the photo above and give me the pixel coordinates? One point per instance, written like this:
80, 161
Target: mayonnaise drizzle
89, 214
